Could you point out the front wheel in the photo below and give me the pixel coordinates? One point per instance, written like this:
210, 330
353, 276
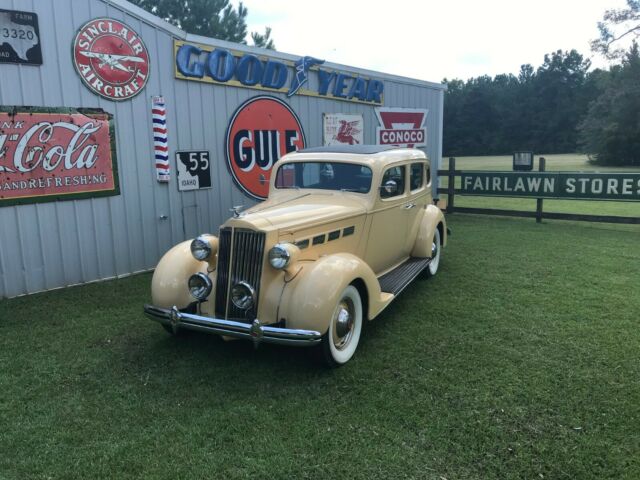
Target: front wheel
436, 252
342, 337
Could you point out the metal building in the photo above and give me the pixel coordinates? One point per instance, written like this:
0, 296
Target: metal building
197, 92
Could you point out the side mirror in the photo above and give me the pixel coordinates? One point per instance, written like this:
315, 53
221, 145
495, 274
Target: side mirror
390, 188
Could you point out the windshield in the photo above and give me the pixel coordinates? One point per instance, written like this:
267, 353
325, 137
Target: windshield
325, 176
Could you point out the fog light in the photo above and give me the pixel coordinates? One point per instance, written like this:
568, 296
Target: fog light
200, 286
243, 296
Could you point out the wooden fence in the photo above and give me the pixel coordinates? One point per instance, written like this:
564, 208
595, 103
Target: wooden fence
542, 185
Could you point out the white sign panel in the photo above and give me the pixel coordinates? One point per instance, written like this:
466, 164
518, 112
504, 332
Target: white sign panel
402, 127
342, 129
194, 170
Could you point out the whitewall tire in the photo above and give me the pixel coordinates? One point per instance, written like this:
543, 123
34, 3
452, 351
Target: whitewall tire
345, 326
436, 253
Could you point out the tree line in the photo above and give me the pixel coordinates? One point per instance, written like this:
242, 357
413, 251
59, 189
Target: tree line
559, 107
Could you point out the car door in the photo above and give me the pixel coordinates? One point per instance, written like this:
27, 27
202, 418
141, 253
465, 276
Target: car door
386, 245
417, 199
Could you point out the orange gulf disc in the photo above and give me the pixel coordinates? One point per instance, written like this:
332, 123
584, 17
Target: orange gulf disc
262, 130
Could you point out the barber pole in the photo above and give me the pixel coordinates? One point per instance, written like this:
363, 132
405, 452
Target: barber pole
160, 145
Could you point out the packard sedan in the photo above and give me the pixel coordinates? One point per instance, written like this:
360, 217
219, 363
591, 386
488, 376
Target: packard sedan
343, 231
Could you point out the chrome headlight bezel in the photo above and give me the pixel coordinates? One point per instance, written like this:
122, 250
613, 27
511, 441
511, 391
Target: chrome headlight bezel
201, 248
243, 296
200, 286
280, 255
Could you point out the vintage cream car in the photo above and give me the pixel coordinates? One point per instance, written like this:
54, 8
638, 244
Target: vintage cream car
343, 232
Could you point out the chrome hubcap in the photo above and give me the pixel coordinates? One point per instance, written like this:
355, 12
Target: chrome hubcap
434, 250
343, 324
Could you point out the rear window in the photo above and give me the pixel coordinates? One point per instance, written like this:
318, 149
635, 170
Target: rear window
416, 178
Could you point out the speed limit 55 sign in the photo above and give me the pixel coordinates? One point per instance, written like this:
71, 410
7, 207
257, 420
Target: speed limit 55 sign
194, 170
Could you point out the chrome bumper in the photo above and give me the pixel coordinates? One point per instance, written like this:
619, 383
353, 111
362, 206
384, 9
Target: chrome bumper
255, 331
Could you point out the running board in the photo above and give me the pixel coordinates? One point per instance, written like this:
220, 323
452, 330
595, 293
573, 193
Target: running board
397, 279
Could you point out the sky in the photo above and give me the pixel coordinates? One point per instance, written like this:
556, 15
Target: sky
431, 40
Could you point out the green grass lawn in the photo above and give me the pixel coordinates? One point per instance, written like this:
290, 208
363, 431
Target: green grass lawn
567, 163
519, 360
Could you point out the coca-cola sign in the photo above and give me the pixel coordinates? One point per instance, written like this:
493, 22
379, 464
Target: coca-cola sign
56, 154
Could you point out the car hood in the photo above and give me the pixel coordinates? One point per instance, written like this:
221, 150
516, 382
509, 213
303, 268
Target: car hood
297, 210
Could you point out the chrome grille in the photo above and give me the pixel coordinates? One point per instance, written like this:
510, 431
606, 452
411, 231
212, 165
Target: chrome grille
240, 258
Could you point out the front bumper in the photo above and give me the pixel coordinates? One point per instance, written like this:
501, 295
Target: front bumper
255, 331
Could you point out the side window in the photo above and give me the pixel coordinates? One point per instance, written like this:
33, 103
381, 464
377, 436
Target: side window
286, 176
429, 175
393, 182
416, 180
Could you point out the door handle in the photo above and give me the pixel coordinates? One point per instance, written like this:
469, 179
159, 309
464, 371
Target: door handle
409, 205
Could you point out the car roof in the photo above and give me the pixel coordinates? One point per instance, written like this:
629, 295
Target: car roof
357, 149
373, 155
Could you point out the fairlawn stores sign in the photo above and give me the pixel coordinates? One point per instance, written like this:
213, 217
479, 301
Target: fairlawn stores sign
228, 67
596, 186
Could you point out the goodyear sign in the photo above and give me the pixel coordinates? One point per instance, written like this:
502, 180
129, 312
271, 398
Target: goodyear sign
594, 186
240, 69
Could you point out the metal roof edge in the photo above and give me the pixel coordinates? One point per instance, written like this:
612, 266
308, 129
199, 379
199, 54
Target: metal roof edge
156, 21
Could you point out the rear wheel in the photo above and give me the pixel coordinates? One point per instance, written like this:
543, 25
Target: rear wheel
436, 252
342, 337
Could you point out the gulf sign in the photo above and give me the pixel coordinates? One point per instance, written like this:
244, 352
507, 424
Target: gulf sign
261, 131
301, 77
402, 127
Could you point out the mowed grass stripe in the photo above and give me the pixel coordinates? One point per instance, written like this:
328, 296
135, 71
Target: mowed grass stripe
519, 359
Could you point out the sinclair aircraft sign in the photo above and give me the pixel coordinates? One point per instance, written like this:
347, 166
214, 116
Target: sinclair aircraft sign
111, 59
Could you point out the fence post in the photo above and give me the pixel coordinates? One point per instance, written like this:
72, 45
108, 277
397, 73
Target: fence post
451, 186
541, 168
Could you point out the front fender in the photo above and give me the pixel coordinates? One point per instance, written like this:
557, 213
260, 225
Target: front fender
432, 217
309, 299
169, 285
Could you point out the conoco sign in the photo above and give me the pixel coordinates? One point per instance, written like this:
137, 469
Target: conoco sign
262, 130
56, 154
111, 59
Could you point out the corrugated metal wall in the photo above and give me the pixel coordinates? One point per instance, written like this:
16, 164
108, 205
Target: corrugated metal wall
49, 245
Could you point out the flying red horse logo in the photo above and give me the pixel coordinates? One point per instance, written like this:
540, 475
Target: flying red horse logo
347, 132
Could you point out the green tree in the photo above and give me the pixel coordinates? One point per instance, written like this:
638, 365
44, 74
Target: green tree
616, 25
610, 132
559, 104
210, 18
263, 40
538, 110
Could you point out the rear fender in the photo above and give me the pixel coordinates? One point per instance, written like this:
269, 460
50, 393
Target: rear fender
432, 217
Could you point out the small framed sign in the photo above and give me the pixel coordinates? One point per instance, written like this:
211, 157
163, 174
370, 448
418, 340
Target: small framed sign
343, 129
19, 38
523, 161
194, 170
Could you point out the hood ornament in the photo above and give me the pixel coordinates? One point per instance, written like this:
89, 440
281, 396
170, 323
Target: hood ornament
236, 209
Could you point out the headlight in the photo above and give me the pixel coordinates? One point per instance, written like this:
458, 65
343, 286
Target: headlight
200, 286
201, 248
243, 295
280, 255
